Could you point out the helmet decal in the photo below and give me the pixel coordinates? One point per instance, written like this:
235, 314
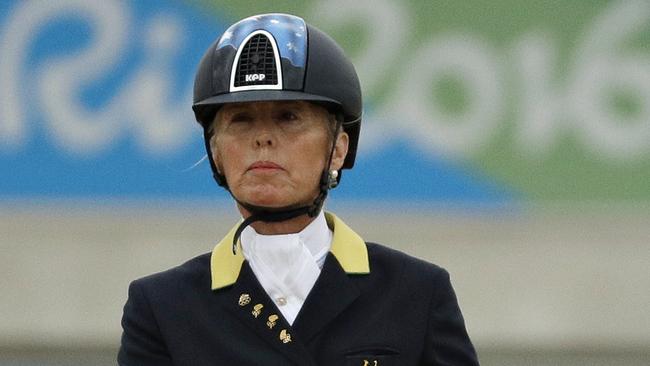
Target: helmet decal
255, 38
256, 64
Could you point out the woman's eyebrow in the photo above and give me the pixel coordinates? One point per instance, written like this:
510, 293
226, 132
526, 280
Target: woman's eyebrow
296, 103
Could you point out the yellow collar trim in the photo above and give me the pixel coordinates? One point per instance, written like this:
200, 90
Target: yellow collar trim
347, 246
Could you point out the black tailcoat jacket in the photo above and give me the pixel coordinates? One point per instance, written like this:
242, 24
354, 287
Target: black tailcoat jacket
370, 306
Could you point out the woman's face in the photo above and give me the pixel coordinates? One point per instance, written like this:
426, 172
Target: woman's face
273, 153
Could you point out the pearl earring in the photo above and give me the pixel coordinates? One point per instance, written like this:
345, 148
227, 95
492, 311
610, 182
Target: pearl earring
332, 180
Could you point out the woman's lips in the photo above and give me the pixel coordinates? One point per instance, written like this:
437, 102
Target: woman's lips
264, 165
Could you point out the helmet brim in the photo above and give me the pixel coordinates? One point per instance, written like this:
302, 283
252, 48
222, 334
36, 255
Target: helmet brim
261, 96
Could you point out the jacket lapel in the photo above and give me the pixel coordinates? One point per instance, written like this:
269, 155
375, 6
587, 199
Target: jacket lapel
331, 294
253, 307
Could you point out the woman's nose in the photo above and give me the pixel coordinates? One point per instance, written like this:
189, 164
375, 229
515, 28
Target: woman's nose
264, 137
264, 140
265, 131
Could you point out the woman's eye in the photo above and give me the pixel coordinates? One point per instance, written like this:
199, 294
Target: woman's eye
288, 116
240, 117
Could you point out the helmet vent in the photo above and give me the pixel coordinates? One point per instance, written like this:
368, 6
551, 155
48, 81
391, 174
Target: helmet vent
257, 63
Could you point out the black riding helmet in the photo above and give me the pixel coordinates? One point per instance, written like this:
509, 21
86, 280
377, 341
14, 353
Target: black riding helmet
273, 57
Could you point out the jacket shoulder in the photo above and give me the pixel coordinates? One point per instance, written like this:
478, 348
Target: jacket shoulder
193, 272
385, 256
389, 265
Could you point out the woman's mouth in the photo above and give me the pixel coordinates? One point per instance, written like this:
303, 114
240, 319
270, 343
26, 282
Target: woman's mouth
265, 166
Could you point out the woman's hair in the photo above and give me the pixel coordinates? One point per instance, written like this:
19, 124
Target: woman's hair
335, 125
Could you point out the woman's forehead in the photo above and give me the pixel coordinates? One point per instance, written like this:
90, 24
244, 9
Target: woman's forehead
307, 108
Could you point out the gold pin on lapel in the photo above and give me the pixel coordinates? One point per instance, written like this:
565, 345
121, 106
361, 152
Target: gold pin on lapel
272, 319
284, 336
257, 310
244, 299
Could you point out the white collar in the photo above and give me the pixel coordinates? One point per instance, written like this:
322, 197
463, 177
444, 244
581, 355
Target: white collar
316, 236
347, 246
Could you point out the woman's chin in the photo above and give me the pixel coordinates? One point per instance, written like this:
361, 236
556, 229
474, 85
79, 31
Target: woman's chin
266, 198
271, 203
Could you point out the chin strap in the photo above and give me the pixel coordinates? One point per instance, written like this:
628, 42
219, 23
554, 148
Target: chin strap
268, 216
276, 214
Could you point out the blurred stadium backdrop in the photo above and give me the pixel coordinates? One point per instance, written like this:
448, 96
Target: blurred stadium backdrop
508, 141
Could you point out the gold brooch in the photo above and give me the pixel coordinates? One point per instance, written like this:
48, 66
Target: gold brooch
257, 310
272, 319
284, 336
244, 299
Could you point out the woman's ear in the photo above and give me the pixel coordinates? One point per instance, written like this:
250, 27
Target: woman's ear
213, 137
340, 151
214, 152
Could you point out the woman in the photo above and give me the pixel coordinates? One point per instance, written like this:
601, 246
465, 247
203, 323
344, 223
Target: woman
280, 105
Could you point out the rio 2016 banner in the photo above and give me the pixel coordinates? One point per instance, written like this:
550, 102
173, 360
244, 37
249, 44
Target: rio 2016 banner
467, 102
